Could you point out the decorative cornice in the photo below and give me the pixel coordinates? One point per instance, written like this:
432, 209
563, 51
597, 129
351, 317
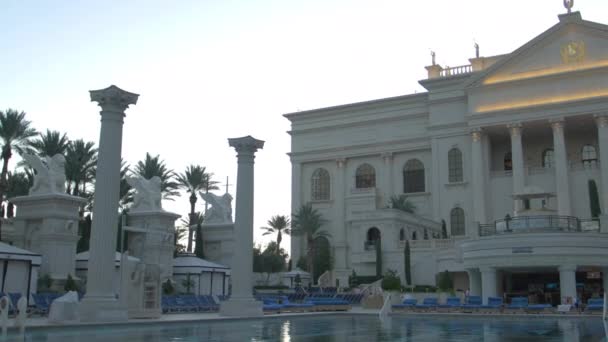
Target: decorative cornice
247, 144
113, 98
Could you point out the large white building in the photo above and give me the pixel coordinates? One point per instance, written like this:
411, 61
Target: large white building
510, 151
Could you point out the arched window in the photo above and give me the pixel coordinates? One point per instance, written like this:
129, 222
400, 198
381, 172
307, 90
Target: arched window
508, 163
320, 185
457, 221
413, 176
588, 155
455, 165
365, 177
373, 235
548, 155
414, 236
401, 234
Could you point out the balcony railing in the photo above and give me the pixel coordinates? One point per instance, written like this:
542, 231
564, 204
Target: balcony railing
539, 224
432, 243
453, 71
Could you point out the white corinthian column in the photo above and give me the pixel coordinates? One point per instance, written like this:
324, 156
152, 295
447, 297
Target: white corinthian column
241, 301
100, 303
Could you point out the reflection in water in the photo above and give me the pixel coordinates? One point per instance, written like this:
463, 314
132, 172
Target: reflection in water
342, 328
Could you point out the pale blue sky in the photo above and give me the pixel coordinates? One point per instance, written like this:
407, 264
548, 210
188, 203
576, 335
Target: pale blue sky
210, 70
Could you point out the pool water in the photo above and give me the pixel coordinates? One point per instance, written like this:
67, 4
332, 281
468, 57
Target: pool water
328, 328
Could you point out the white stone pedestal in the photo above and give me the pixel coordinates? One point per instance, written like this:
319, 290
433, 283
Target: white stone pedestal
236, 307
48, 224
218, 243
155, 244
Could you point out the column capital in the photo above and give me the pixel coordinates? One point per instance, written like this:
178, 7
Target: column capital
487, 269
515, 128
567, 268
476, 134
113, 98
246, 145
601, 120
341, 162
387, 156
557, 123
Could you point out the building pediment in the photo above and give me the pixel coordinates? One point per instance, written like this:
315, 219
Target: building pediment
566, 63
571, 45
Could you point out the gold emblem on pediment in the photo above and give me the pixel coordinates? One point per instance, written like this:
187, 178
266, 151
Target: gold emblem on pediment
573, 51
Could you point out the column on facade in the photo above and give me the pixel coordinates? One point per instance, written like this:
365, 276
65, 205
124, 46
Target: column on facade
602, 136
517, 162
337, 191
478, 179
562, 183
296, 202
387, 182
474, 281
567, 283
242, 270
113, 102
605, 278
488, 283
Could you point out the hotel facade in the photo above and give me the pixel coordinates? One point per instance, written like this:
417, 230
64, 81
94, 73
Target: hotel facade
510, 152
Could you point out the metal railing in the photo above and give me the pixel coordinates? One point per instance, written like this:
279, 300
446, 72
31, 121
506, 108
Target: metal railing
369, 245
539, 224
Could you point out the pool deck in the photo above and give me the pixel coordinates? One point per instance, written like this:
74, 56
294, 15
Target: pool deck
42, 322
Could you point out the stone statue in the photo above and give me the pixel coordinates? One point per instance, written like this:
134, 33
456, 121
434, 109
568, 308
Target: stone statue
568, 4
433, 57
21, 318
50, 174
476, 50
147, 193
221, 208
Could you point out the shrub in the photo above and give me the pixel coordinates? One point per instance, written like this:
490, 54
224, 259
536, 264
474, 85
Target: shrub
168, 288
45, 282
445, 281
70, 284
391, 281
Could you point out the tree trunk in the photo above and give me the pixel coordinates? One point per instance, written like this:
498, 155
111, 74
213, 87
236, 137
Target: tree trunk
6, 155
279, 239
192, 219
309, 260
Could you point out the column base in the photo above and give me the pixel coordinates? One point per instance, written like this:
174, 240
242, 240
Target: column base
102, 309
237, 307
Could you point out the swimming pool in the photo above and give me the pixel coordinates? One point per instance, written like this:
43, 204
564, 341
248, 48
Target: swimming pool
328, 328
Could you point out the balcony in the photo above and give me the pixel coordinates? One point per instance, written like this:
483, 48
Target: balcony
369, 245
539, 224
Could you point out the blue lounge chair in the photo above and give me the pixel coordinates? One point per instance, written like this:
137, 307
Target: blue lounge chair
407, 304
428, 304
594, 305
518, 304
328, 304
295, 307
495, 304
538, 308
473, 303
451, 303
42, 306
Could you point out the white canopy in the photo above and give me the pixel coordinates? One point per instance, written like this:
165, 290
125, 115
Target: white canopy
13, 253
190, 263
294, 273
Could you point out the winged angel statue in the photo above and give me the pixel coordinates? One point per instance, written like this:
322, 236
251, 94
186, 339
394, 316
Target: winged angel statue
50, 173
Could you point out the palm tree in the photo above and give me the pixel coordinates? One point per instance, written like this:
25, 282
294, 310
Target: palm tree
307, 222
402, 203
15, 133
50, 143
126, 195
278, 224
153, 166
194, 179
180, 233
80, 164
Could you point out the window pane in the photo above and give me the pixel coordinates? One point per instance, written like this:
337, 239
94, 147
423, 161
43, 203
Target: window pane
365, 177
320, 185
548, 158
413, 176
457, 221
454, 165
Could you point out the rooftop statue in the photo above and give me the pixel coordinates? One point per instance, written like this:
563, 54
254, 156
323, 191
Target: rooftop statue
221, 208
568, 4
50, 174
147, 193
